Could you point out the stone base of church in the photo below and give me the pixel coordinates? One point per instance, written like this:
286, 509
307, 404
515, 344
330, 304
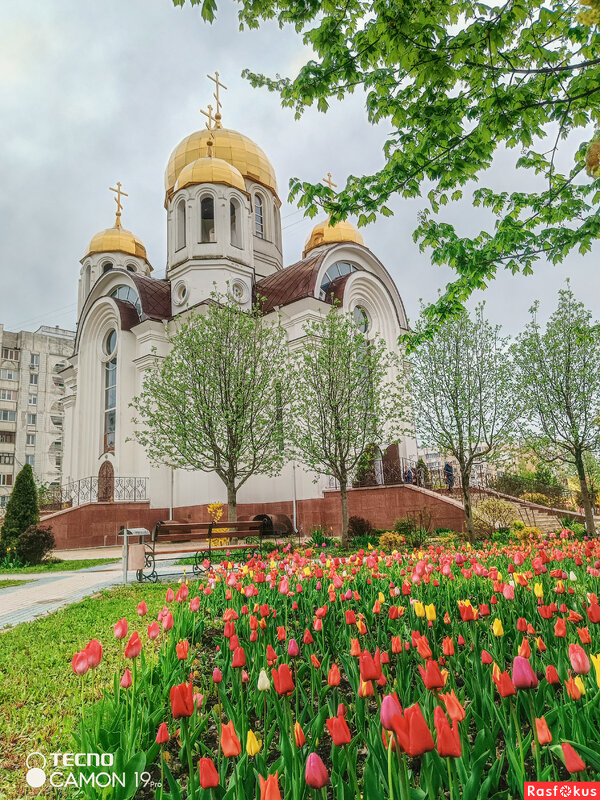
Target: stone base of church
98, 524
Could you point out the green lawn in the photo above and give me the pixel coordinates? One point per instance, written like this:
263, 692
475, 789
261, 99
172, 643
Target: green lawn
60, 566
6, 583
40, 696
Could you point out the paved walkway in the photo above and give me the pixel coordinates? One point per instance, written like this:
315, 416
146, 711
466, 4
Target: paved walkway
46, 592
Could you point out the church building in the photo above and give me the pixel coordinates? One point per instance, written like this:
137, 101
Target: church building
224, 233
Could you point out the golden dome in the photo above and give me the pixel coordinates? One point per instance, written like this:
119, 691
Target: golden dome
119, 240
231, 146
210, 170
324, 233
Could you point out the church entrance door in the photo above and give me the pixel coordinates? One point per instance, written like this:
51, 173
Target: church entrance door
106, 483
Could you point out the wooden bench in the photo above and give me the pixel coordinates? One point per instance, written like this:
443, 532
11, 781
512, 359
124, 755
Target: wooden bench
197, 538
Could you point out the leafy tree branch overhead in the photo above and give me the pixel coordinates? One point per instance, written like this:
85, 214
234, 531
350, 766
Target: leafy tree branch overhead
456, 83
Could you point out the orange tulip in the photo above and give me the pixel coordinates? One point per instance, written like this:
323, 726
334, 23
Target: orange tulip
269, 788
230, 744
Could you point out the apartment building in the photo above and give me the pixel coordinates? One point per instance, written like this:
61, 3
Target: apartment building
31, 413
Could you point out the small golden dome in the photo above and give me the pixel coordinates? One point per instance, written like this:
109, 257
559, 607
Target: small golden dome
231, 146
324, 233
119, 240
210, 170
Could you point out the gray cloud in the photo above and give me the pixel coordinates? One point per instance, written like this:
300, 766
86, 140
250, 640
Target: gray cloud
97, 92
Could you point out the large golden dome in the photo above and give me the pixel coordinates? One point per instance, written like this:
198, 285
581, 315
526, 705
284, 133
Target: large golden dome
324, 233
210, 170
231, 146
117, 239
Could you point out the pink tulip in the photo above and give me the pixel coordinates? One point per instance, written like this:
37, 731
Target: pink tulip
316, 774
142, 609
153, 630
126, 680
94, 653
194, 604
120, 629
523, 676
80, 663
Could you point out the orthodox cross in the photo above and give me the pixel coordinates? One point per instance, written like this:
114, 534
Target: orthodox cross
119, 193
329, 181
218, 85
209, 115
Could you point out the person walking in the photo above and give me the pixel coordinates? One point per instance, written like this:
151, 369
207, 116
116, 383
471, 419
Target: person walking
449, 475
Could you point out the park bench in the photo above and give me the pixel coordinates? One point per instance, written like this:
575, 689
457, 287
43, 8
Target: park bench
197, 539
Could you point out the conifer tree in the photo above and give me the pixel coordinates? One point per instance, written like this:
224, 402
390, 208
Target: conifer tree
22, 510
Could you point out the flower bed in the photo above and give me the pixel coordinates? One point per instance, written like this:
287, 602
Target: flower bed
439, 673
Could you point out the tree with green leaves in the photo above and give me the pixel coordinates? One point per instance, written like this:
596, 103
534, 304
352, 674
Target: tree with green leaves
559, 378
456, 85
343, 400
214, 403
22, 509
461, 386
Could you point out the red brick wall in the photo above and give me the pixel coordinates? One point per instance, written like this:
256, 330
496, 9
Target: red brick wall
97, 524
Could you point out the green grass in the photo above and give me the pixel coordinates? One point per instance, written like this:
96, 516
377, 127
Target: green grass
60, 566
6, 583
40, 696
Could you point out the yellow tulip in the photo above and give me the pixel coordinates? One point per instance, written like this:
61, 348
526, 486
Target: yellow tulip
252, 744
579, 684
430, 612
499, 576
419, 609
495, 671
596, 663
538, 590
381, 597
497, 628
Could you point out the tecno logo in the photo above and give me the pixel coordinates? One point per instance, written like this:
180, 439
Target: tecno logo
37, 763
560, 789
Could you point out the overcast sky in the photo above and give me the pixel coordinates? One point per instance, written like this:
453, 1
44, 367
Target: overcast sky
95, 92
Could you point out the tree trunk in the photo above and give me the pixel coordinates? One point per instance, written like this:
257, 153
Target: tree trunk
344, 496
231, 503
465, 480
585, 496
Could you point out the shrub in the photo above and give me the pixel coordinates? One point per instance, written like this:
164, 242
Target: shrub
536, 497
518, 525
357, 526
319, 537
578, 529
34, 543
528, 532
22, 509
492, 514
404, 526
390, 541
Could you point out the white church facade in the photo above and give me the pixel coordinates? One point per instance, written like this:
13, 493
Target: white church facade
223, 232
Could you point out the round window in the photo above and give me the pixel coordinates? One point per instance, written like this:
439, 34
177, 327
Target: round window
361, 319
180, 293
110, 343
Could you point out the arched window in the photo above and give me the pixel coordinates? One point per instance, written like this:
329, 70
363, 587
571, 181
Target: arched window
259, 217
107, 266
86, 279
207, 220
110, 391
128, 294
180, 225
131, 268
276, 225
337, 270
234, 222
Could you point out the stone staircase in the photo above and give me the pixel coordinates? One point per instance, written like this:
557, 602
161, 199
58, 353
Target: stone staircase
546, 519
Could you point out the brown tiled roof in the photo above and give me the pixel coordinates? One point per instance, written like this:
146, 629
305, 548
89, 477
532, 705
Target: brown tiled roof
155, 297
289, 284
128, 313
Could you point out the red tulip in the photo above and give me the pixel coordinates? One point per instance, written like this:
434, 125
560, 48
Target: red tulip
94, 653
299, 736
431, 675
162, 735
552, 674
293, 652
560, 628
153, 630
334, 677
543, 731
167, 621
170, 595
126, 680
370, 669
194, 606
120, 629
504, 685
282, 679
339, 731
315, 774
230, 744
142, 609
453, 706
182, 649
572, 761
209, 777
217, 675
134, 646
448, 646
239, 657
413, 734
448, 739
80, 663
182, 700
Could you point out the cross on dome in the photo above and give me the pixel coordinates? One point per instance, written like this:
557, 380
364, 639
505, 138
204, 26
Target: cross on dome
329, 182
119, 193
218, 85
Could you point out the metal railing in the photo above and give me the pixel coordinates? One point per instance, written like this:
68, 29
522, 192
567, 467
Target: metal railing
85, 490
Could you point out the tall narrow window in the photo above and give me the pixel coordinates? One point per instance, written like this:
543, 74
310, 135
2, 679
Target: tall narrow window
259, 217
276, 225
180, 225
207, 220
110, 392
234, 223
